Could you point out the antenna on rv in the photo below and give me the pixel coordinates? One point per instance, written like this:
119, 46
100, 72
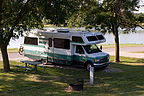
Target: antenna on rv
84, 31
49, 29
63, 30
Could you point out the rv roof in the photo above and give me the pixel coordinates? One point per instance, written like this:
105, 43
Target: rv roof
55, 30
66, 31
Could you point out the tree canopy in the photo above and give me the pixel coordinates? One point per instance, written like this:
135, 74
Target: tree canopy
107, 16
92, 14
17, 16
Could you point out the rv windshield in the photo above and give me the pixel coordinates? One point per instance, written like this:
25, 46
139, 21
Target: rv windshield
91, 49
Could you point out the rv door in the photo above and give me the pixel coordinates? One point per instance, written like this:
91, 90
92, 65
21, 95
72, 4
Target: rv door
79, 55
50, 54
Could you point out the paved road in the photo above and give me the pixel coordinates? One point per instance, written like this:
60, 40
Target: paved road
15, 57
126, 52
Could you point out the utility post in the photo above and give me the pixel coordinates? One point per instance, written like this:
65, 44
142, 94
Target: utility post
91, 75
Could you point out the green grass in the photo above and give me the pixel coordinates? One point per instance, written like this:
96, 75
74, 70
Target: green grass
49, 25
138, 52
53, 81
12, 50
121, 45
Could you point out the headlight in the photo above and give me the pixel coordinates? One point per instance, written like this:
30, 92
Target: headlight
95, 60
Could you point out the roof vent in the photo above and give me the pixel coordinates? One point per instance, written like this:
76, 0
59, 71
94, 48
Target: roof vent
63, 30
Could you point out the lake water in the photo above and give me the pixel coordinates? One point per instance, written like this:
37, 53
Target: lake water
132, 37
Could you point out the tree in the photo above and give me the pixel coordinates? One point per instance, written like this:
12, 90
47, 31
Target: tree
17, 16
140, 18
108, 16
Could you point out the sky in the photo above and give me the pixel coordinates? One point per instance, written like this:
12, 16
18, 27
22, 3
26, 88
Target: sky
141, 9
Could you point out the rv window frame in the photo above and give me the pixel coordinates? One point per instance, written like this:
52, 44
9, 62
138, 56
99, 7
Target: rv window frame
29, 41
89, 51
100, 37
64, 45
78, 39
91, 38
50, 42
82, 49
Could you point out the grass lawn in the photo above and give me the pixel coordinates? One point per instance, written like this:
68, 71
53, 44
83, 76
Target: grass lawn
121, 45
12, 50
138, 52
53, 81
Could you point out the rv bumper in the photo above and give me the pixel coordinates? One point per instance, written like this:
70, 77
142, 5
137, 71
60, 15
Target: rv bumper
100, 65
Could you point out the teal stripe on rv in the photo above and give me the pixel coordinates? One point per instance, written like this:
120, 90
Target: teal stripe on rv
42, 55
43, 38
35, 57
35, 52
41, 46
58, 61
56, 56
42, 42
63, 57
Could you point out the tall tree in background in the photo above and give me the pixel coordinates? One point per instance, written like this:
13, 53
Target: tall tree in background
17, 16
107, 16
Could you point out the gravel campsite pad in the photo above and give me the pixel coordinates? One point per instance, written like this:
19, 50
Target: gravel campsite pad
111, 70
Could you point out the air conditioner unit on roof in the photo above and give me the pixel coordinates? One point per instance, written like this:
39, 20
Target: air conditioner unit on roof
63, 30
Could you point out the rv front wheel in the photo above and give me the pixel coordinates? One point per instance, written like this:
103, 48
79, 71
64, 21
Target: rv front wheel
88, 65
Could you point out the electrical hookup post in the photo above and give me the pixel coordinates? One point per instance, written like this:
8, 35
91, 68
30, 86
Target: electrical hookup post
91, 75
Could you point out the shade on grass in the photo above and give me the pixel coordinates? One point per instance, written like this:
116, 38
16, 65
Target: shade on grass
53, 81
12, 50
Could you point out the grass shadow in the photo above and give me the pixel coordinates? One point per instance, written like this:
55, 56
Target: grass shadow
54, 80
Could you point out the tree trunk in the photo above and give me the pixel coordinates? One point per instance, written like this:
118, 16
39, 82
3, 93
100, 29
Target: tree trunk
116, 36
117, 47
6, 64
115, 27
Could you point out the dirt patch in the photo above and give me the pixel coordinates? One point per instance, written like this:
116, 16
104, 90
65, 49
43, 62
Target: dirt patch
107, 69
111, 70
65, 66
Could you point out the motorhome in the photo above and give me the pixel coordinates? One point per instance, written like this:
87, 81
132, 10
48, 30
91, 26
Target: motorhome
62, 46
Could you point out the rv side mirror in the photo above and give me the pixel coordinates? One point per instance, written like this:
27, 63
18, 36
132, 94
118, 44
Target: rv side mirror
101, 47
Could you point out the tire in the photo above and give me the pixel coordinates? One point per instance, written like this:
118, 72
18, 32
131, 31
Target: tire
44, 61
88, 65
21, 50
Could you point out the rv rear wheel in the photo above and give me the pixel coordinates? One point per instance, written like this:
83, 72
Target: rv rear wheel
88, 66
44, 61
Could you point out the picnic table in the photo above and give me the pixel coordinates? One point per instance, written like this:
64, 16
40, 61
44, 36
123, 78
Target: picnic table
34, 63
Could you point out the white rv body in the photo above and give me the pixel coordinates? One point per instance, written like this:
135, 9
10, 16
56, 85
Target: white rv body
62, 46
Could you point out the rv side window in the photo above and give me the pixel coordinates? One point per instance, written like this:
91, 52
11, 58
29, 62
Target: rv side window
62, 43
50, 42
77, 39
100, 37
91, 38
79, 49
31, 41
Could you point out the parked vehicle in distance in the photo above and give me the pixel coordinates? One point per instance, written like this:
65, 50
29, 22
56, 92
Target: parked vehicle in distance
62, 46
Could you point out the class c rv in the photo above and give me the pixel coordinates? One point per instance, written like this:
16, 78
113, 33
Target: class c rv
62, 46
